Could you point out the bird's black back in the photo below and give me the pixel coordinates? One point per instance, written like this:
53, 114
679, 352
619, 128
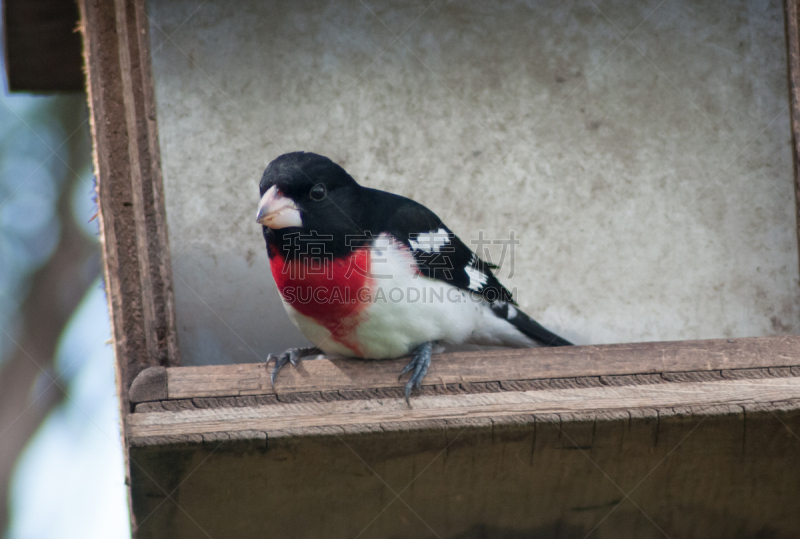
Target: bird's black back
407, 220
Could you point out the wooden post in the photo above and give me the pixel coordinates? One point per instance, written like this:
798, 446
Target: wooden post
138, 274
130, 191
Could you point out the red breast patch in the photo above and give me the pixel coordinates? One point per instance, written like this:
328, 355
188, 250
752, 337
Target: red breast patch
332, 292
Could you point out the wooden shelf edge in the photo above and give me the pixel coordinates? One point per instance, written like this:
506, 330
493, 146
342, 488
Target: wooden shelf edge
484, 409
472, 367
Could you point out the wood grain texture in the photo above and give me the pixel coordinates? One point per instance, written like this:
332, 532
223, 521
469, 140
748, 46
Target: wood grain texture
707, 477
131, 207
364, 415
133, 234
499, 366
149, 385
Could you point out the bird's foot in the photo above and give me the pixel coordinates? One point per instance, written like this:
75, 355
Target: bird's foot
293, 356
418, 367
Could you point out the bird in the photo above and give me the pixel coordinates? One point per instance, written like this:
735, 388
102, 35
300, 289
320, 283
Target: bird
369, 274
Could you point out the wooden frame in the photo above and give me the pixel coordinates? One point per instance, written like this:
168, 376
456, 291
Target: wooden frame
138, 271
163, 403
133, 235
130, 191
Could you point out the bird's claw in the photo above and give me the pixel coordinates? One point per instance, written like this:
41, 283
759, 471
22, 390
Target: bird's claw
406, 369
420, 362
293, 356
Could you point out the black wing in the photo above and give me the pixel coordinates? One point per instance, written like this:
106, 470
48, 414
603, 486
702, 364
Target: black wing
439, 253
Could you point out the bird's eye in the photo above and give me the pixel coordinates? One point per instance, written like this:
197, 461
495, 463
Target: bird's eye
318, 192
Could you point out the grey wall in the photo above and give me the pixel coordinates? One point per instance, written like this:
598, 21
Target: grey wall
648, 178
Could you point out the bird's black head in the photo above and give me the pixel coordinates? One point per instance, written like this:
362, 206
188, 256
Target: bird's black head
307, 193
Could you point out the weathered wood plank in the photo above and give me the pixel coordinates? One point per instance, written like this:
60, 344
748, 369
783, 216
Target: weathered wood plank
733, 475
136, 263
499, 365
315, 415
218, 380
130, 200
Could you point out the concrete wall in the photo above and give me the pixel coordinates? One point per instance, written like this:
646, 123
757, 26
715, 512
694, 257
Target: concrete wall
648, 178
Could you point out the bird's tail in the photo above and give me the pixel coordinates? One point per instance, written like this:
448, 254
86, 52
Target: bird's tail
528, 326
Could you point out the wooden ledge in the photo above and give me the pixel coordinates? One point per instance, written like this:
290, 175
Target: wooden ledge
454, 369
484, 409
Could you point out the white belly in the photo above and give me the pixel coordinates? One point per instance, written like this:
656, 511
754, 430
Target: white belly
407, 310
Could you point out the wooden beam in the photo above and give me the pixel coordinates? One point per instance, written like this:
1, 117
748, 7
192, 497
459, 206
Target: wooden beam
42, 47
473, 367
130, 191
732, 475
307, 418
133, 236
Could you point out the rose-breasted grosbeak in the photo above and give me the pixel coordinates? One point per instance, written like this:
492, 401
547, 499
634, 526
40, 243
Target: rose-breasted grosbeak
369, 274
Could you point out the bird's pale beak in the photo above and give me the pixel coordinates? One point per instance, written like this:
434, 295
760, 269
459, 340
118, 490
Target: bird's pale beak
277, 211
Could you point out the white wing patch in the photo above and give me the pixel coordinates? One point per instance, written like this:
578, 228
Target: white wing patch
477, 279
430, 242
